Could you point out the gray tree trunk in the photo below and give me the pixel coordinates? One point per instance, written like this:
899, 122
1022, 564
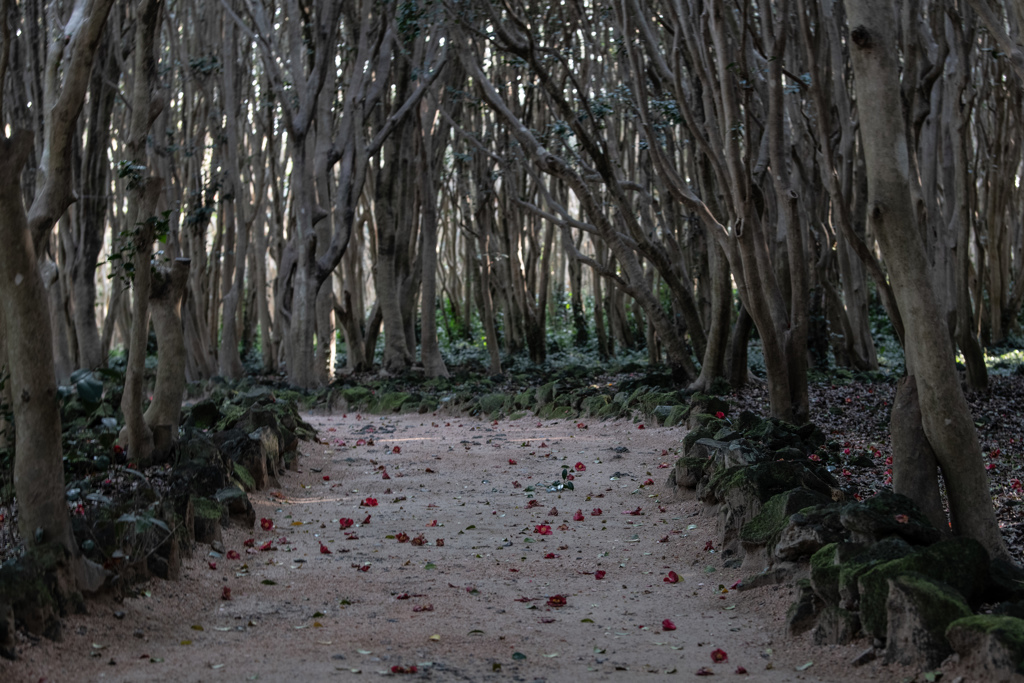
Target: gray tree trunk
945, 415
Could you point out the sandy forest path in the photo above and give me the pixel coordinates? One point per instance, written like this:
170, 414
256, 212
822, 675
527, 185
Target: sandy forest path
311, 601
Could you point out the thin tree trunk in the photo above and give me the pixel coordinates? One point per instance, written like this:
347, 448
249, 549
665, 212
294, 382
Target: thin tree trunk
164, 411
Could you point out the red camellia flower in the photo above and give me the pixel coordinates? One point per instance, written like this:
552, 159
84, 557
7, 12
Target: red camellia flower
1016, 485
324, 550
718, 656
814, 457
649, 482
580, 467
902, 519
740, 670
671, 578
578, 517
512, 462
233, 555
212, 565
402, 537
346, 522
543, 529
361, 442
667, 625
370, 502
396, 450
599, 574
719, 414
596, 512
249, 542
327, 477
269, 545
580, 425
557, 601
266, 524
225, 593
640, 426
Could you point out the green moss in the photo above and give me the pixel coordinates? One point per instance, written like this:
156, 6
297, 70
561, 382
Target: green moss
562, 413
765, 528
852, 568
244, 477
524, 400
938, 604
546, 393
960, 562
702, 403
1007, 630
767, 479
491, 404
677, 415
355, 396
593, 405
658, 398
825, 574
204, 508
390, 402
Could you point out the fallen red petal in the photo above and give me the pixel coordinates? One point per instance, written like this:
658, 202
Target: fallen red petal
667, 625
719, 655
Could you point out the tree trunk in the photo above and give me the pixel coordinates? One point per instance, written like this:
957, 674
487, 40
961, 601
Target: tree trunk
430, 351
914, 470
136, 435
38, 464
945, 415
164, 411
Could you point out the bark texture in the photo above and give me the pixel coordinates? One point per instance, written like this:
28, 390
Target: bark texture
945, 415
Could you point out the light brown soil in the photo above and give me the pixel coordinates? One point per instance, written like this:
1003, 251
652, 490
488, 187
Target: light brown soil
297, 614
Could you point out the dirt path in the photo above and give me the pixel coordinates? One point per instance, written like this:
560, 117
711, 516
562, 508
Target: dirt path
480, 607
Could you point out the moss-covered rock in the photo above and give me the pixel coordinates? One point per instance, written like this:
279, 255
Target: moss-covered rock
491, 404
802, 615
888, 514
836, 626
546, 393
677, 415
825, 574
809, 530
767, 479
857, 559
960, 562
390, 402
39, 589
918, 610
244, 478
650, 402
765, 528
991, 648
203, 414
593, 405
524, 400
703, 403
356, 397
689, 471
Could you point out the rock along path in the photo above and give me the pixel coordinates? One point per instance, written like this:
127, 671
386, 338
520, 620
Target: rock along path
512, 594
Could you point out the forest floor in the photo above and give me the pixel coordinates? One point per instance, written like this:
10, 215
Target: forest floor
529, 584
